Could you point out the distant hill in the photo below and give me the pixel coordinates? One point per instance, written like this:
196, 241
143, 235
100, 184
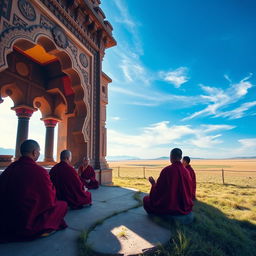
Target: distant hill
161, 158
11, 151
122, 158
242, 157
7, 151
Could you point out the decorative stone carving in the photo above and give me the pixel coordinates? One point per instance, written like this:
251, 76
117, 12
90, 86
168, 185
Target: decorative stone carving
85, 75
83, 60
22, 69
60, 37
6, 25
27, 10
73, 49
18, 21
45, 22
6, 8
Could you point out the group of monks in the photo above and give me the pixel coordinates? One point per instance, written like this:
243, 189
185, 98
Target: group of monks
34, 202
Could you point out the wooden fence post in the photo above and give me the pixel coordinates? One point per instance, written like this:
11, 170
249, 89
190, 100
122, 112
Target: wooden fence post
144, 172
222, 172
118, 170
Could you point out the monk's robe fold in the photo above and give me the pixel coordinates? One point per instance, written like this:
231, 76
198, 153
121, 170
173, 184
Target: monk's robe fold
68, 185
88, 177
171, 194
193, 177
28, 202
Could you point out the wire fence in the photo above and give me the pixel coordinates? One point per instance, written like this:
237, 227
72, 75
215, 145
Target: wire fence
220, 176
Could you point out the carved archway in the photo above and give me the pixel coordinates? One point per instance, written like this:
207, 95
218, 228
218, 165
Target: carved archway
27, 37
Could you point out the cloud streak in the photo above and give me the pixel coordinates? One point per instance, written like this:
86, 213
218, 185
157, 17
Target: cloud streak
220, 99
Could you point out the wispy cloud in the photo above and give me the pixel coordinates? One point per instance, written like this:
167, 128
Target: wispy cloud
156, 98
130, 24
116, 118
220, 99
161, 136
132, 68
237, 112
176, 77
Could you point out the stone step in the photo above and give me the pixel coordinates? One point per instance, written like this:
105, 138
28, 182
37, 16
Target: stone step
128, 233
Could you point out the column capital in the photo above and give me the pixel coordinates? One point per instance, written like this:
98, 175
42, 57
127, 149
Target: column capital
50, 121
24, 111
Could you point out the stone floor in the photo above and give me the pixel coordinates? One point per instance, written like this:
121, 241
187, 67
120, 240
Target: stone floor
126, 233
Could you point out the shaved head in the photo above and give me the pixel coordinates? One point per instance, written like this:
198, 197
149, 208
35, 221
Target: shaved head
176, 154
30, 148
187, 159
65, 155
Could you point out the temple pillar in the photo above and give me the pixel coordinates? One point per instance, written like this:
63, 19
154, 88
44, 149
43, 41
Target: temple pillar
50, 124
23, 113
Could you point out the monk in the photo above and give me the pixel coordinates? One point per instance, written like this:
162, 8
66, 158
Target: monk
87, 175
29, 208
171, 194
67, 183
186, 163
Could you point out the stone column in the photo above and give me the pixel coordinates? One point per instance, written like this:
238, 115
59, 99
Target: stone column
23, 113
50, 124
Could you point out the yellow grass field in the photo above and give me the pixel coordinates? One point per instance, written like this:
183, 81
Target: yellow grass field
236, 171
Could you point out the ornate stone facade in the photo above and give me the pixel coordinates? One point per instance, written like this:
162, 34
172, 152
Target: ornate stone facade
50, 59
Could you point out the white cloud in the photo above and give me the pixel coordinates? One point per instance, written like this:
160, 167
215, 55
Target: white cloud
116, 118
246, 148
248, 143
162, 136
132, 69
176, 77
220, 99
237, 112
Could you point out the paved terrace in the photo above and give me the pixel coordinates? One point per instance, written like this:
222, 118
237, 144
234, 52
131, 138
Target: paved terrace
129, 231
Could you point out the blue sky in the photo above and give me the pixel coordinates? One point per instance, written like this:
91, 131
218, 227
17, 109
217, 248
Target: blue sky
183, 76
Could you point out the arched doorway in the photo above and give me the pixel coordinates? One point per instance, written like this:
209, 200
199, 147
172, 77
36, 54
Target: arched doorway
38, 80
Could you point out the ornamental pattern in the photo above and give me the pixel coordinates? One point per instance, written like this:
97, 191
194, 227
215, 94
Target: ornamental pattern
83, 60
27, 10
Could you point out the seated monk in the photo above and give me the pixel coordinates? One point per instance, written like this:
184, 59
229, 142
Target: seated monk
67, 183
186, 163
171, 195
29, 208
87, 175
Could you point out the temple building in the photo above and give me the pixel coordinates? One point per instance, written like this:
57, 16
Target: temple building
51, 54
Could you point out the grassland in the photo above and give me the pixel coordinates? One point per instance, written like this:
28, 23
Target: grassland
225, 223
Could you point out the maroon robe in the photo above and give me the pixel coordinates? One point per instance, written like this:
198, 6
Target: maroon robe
68, 185
193, 177
28, 202
171, 194
88, 174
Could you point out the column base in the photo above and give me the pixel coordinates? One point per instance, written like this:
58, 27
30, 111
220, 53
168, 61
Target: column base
104, 176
